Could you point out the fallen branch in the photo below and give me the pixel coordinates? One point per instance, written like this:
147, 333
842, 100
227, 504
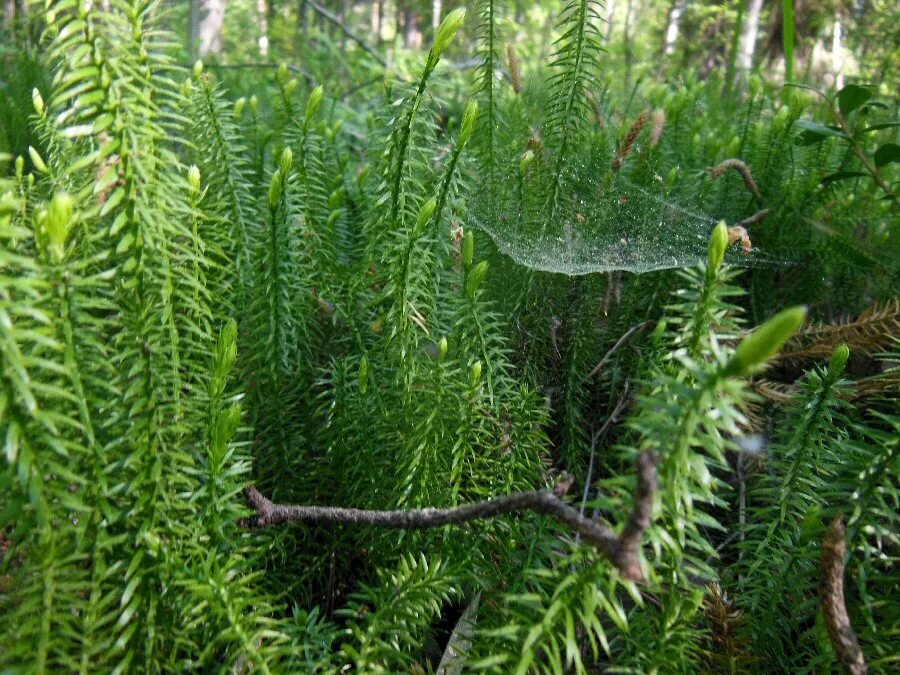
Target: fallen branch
622, 551
837, 621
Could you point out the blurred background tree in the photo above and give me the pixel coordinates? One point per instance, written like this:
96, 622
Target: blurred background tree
834, 41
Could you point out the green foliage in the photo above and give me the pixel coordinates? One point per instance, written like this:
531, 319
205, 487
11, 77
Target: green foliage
349, 305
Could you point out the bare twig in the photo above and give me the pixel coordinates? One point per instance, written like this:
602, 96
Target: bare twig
627, 555
755, 218
597, 437
606, 357
837, 621
623, 551
328, 16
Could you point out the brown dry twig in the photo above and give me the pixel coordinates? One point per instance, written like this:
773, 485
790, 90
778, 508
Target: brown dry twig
755, 218
623, 551
606, 357
837, 621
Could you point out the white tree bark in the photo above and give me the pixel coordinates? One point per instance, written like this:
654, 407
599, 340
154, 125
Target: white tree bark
674, 26
610, 17
838, 56
436, 13
747, 46
211, 27
262, 16
377, 19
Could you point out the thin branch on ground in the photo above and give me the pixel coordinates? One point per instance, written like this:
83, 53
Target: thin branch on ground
599, 436
596, 369
623, 551
755, 218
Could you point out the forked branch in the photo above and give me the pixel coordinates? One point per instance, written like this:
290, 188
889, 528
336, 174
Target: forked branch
623, 551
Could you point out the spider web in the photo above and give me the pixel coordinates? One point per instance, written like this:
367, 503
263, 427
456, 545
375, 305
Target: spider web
626, 228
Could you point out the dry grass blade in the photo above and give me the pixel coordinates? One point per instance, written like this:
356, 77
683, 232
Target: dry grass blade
460, 642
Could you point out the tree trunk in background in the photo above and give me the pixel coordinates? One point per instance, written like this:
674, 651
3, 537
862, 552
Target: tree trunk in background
435, 14
9, 13
747, 47
211, 27
629, 52
412, 36
193, 32
731, 74
610, 15
377, 19
673, 27
262, 17
837, 51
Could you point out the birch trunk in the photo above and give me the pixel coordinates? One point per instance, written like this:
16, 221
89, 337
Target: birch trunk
211, 27
750, 32
377, 19
838, 56
435, 14
673, 27
262, 16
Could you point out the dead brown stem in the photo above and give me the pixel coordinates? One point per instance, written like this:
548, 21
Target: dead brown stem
623, 551
837, 621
